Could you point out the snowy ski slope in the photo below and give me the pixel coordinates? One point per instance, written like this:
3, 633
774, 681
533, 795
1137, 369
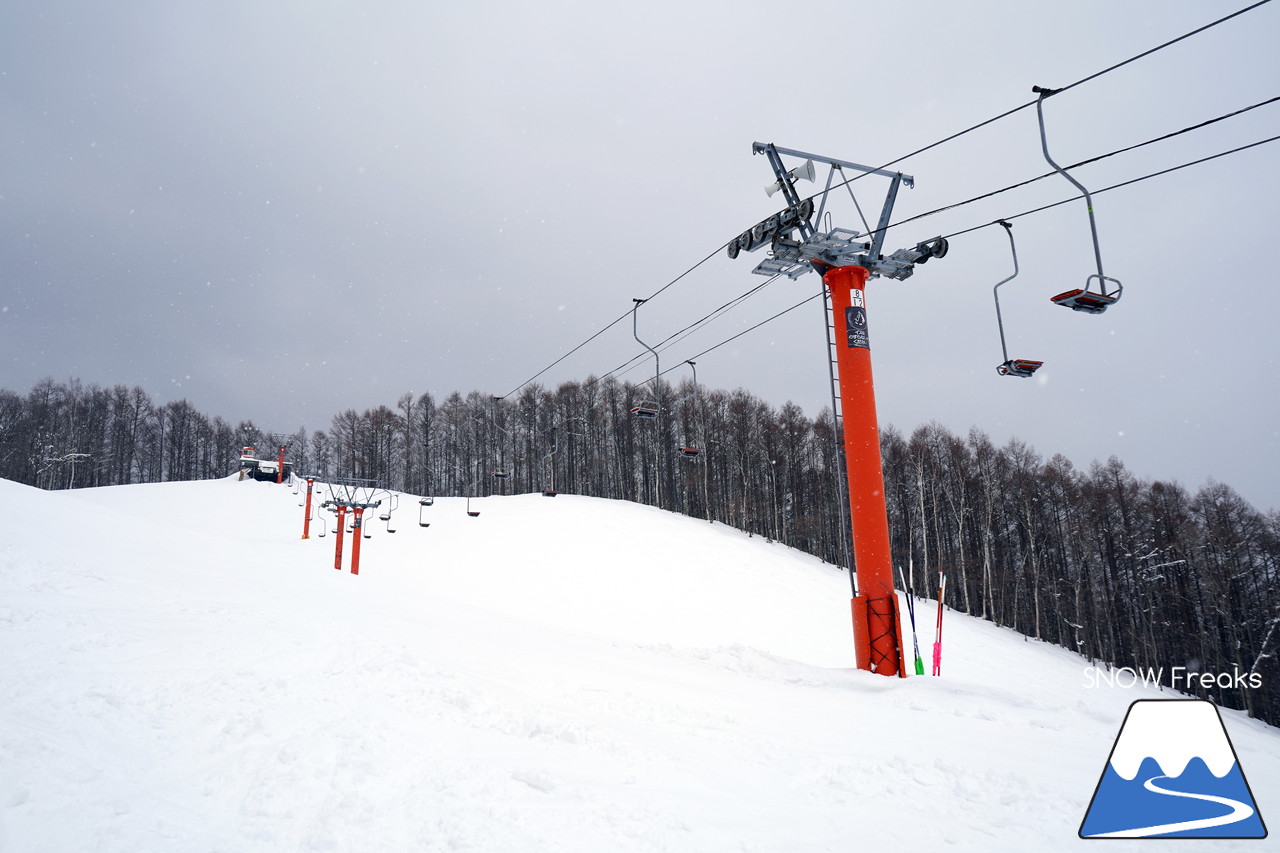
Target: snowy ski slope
181, 672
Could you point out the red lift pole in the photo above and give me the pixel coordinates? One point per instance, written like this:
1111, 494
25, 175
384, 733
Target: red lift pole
280, 466
341, 531
306, 518
846, 263
355, 540
877, 624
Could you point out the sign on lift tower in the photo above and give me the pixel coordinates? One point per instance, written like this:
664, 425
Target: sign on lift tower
846, 260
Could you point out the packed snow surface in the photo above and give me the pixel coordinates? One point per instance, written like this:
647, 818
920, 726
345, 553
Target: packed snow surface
183, 672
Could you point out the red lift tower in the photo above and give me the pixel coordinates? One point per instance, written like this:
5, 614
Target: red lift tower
352, 495
847, 260
306, 513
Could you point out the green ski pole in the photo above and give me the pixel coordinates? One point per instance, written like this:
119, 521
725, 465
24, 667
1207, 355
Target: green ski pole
911, 611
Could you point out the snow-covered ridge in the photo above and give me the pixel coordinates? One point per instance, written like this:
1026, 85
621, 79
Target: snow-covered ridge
1172, 733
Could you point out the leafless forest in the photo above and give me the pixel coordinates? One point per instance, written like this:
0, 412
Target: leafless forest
1125, 571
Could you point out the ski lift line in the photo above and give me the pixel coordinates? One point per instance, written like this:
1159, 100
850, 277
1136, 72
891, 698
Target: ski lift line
929, 147
1117, 186
1096, 159
672, 339
804, 301
1160, 47
1066, 88
619, 319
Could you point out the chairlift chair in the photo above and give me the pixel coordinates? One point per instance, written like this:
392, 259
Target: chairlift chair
1079, 299
1022, 367
690, 453
422, 505
501, 475
393, 503
324, 522
1019, 367
1088, 301
472, 513
648, 409
549, 493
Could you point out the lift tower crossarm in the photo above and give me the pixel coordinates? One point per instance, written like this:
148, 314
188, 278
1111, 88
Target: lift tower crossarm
764, 147
836, 248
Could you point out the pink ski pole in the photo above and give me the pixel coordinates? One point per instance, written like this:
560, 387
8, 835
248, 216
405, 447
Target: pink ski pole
937, 643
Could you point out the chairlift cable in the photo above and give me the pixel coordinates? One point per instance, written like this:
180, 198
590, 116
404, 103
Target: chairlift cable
679, 335
1118, 186
929, 147
804, 301
616, 321
997, 221
1029, 181
1066, 88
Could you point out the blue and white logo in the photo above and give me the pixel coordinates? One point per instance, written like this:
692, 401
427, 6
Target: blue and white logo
1172, 773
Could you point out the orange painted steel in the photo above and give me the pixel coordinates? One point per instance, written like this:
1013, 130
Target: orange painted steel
280, 466
358, 531
876, 621
341, 531
306, 518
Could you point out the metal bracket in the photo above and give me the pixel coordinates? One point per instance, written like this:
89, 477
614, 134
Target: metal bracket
763, 147
791, 256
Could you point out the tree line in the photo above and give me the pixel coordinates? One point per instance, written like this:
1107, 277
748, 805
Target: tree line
1124, 571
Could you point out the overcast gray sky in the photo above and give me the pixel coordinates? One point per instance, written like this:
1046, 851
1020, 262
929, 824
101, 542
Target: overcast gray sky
282, 210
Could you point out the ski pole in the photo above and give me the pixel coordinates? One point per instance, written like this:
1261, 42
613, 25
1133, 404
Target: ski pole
937, 644
911, 611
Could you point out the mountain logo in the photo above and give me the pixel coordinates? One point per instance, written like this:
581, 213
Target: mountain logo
1172, 773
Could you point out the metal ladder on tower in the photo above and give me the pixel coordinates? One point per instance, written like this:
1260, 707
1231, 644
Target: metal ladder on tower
837, 416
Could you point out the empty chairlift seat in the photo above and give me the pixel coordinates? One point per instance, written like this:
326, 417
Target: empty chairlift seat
1089, 301
1023, 367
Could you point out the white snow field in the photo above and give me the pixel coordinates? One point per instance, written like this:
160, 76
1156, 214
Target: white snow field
180, 671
